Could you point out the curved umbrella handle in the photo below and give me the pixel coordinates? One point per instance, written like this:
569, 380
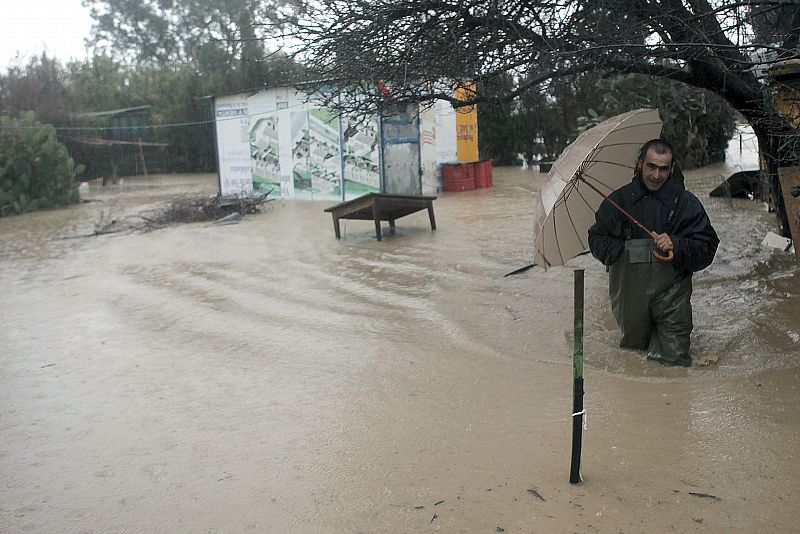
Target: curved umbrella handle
660, 257
665, 259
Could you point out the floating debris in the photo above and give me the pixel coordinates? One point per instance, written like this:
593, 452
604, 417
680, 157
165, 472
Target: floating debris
705, 495
535, 493
233, 218
774, 240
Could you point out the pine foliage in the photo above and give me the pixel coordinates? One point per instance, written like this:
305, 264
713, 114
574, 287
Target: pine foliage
36, 170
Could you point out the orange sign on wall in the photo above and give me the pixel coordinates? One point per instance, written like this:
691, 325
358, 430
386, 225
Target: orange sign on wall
466, 126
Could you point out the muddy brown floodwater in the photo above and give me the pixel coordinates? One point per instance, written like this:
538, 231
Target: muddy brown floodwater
266, 377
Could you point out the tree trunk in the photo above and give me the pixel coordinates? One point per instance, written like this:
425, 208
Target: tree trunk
772, 156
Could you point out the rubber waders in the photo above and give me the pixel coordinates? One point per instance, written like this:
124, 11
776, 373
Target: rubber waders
651, 301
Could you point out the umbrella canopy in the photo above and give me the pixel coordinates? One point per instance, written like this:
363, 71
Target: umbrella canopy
605, 156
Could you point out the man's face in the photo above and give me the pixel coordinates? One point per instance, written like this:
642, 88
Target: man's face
655, 168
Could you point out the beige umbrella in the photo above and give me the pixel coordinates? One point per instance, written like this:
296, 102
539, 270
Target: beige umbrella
599, 161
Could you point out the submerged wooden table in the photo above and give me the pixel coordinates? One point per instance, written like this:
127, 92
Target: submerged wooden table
380, 207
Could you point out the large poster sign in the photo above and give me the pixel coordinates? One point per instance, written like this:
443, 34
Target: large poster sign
233, 147
466, 126
280, 141
265, 164
361, 156
316, 163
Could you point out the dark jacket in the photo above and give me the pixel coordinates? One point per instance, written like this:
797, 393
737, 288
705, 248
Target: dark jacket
671, 209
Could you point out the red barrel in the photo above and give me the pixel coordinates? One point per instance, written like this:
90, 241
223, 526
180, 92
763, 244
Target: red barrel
483, 173
457, 177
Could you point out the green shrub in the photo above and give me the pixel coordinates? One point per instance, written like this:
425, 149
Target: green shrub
36, 170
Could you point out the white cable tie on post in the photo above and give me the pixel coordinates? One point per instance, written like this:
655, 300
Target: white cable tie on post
583, 413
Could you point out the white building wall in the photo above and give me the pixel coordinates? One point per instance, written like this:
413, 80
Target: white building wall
446, 147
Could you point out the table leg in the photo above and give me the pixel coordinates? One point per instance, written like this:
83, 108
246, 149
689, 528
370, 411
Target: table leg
376, 215
430, 215
336, 227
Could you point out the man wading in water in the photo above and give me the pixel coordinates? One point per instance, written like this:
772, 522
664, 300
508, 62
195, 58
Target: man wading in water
650, 298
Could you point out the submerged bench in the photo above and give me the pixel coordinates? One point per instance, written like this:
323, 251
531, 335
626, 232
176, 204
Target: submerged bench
380, 207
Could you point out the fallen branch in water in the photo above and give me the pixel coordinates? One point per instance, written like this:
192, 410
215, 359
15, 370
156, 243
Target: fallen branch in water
220, 209
205, 209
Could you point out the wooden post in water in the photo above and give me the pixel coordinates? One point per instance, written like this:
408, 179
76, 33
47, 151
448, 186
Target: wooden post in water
577, 391
790, 185
141, 155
